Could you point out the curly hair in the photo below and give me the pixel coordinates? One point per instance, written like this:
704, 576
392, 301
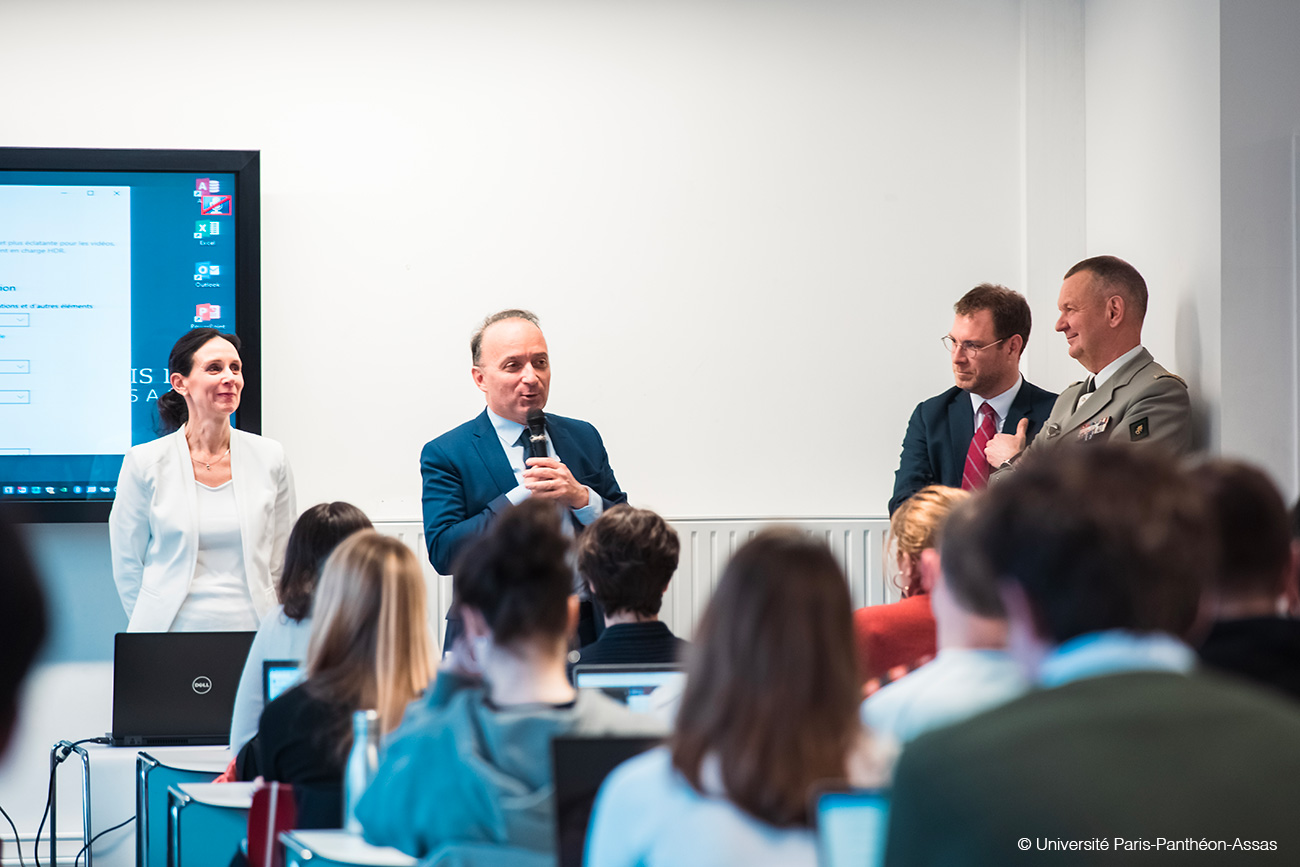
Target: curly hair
628, 556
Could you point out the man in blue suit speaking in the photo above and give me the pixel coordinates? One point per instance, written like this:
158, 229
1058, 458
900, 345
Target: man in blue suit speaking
475, 471
948, 433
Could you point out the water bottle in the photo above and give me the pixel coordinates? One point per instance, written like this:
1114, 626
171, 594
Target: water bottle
363, 762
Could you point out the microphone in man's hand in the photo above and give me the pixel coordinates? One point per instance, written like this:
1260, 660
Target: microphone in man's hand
537, 434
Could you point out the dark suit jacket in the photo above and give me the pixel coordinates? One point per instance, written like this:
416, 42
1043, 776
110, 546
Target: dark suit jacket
1140, 755
634, 642
467, 476
939, 434
1265, 650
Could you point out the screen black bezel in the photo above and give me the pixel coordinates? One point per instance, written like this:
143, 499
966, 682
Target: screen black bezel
244, 165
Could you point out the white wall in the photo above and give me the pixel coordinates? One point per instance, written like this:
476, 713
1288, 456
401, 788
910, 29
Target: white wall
1261, 119
1152, 175
743, 224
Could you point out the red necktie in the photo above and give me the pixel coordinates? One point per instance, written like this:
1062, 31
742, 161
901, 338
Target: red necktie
976, 474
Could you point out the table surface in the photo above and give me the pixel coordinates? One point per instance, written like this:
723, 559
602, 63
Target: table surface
346, 847
213, 759
237, 796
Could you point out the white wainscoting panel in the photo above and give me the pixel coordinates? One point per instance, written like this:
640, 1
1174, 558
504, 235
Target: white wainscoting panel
707, 545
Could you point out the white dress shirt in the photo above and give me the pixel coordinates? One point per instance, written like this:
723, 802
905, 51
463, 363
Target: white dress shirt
1001, 405
508, 433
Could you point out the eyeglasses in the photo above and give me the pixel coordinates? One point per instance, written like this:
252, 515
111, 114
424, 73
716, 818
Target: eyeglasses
966, 346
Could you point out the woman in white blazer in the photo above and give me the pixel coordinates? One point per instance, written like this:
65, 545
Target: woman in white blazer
202, 516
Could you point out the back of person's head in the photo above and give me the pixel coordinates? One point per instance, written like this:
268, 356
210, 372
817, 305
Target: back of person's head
968, 582
915, 526
370, 646
628, 556
1097, 538
1253, 528
518, 576
22, 624
773, 688
314, 536
1007, 307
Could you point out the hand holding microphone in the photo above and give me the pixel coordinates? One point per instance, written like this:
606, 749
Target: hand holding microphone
547, 477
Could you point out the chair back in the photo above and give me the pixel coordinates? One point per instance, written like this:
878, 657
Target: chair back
273, 811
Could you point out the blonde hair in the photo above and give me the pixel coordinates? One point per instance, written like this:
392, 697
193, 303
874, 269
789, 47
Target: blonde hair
370, 646
915, 525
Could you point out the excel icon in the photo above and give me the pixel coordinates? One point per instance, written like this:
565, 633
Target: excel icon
206, 228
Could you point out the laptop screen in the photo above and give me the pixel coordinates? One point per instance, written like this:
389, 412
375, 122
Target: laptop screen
580, 764
277, 676
852, 827
632, 685
176, 688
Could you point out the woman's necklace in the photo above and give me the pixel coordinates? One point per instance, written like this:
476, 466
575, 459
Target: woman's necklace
217, 460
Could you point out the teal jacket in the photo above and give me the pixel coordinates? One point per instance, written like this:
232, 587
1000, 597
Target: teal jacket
460, 771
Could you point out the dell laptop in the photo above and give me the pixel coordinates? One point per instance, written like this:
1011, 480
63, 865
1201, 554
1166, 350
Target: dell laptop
175, 688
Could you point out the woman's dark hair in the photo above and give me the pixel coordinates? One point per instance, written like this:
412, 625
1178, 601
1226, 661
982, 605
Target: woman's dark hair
628, 556
772, 691
172, 410
518, 575
314, 536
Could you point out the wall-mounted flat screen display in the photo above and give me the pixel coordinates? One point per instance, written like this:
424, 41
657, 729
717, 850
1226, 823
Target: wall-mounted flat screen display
106, 258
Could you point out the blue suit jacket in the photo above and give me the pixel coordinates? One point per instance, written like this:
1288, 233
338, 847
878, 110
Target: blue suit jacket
939, 434
466, 478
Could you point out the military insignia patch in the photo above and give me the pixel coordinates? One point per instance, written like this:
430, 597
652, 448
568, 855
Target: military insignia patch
1139, 430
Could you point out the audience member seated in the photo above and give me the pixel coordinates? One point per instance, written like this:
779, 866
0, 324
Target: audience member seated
769, 711
22, 624
472, 763
1255, 580
627, 557
901, 633
286, 629
369, 650
1101, 556
973, 670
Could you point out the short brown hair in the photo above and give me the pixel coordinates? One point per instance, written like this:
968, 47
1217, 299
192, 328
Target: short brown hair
1116, 276
628, 556
476, 340
1098, 538
1009, 309
773, 687
969, 583
1253, 527
915, 525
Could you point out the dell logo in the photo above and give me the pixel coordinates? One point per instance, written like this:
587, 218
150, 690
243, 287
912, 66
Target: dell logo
201, 684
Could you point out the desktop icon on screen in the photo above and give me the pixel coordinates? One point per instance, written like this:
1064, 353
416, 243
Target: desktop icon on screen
9, 489
205, 270
206, 228
207, 312
216, 206
206, 187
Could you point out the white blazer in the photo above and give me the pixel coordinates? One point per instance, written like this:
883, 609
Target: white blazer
153, 530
